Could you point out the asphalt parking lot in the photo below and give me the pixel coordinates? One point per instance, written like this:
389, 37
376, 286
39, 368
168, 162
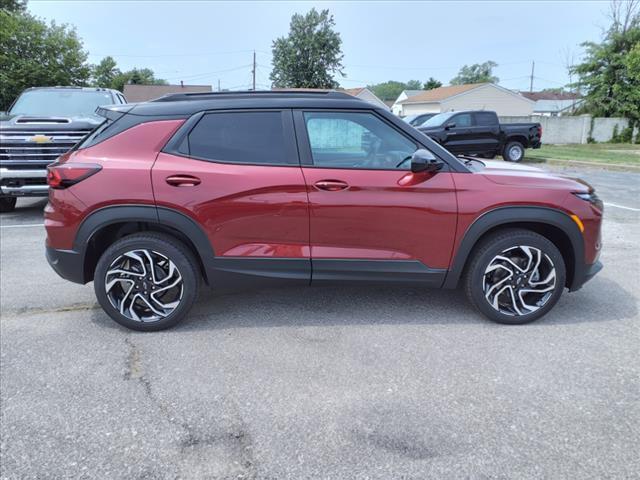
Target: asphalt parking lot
322, 382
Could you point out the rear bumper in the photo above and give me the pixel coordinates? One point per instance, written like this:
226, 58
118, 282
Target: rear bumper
588, 272
66, 263
18, 183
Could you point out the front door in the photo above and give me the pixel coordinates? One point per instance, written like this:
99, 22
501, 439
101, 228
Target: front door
371, 218
460, 138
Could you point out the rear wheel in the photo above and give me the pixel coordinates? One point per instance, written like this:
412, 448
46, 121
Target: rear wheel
513, 152
7, 204
147, 281
515, 276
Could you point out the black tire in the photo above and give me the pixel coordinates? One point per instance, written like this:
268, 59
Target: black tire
7, 204
485, 253
157, 243
513, 152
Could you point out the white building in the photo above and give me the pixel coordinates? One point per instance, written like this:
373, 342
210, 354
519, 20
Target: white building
476, 96
554, 104
397, 107
367, 95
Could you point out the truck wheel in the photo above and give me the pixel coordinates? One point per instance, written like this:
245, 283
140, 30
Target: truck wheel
515, 276
513, 152
147, 281
7, 204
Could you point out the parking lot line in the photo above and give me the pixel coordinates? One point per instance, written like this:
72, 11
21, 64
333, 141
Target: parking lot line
622, 206
26, 225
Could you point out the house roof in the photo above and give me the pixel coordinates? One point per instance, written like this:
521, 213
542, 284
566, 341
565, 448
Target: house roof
535, 96
554, 106
441, 93
144, 93
354, 91
412, 93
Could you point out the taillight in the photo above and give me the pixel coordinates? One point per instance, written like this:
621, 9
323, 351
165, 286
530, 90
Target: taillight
540, 128
63, 175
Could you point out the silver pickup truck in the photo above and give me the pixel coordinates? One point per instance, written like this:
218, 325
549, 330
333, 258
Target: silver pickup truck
42, 124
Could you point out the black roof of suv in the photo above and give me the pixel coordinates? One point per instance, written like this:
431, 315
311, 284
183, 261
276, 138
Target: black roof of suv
183, 104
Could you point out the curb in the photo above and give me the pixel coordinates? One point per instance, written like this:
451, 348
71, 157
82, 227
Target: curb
609, 166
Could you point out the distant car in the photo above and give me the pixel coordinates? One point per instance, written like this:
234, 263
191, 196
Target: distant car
480, 133
417, 120
291, 187
42, 124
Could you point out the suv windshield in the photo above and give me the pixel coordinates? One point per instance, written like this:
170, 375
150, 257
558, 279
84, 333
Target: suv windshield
60, 103
438, 120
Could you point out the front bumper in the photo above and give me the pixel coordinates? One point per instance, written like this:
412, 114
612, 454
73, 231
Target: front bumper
587, 273
23, 182
67, 263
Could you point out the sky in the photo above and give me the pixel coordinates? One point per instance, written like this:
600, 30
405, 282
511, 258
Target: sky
204, 42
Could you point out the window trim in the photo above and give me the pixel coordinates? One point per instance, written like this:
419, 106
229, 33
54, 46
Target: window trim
291, 151
304, 145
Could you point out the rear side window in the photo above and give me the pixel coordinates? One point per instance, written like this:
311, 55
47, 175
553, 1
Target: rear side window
486, 118
241, 137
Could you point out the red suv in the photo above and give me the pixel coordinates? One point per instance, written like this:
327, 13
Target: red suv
305, 188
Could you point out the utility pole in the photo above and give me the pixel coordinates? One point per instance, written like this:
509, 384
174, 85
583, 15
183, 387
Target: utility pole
253, 71
218, 84
533, 67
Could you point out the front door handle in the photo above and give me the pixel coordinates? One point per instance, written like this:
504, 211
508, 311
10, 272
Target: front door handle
182, 180
331, 185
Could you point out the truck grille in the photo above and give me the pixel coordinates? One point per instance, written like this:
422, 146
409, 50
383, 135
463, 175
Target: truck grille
36, 149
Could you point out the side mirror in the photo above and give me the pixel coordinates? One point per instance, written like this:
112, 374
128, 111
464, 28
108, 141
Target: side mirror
450, 125
424, 161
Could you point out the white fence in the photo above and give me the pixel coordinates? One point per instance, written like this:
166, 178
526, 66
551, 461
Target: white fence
559, 130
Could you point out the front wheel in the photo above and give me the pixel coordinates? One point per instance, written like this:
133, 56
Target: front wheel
7, 204
147, 281
513, 152
515, 276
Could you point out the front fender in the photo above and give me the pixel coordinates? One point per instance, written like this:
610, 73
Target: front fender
516, 216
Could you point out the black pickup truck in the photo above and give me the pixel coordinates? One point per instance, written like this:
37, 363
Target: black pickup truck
479, 133
42, 124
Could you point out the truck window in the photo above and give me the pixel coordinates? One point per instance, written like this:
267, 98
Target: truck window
486, 118
462, 120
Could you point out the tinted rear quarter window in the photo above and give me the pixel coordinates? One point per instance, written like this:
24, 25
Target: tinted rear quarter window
241, 137
486, 118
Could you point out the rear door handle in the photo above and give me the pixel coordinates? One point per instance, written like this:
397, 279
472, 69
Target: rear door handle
182, 180
331, 185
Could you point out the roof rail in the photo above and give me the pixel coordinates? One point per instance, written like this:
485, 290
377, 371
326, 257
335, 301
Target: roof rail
175, 97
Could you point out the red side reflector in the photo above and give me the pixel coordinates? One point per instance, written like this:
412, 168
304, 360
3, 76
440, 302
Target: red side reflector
63, 175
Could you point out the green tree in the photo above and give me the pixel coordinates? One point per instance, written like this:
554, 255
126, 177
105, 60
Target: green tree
104, 74
476, 73
33, 54
431, 84
390, 90
609, 75
310, 55
136, 76
13, 6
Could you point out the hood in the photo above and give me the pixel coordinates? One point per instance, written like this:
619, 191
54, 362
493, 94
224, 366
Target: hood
508, 173
28, 122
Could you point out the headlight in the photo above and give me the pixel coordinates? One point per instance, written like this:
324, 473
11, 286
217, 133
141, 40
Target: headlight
592, 198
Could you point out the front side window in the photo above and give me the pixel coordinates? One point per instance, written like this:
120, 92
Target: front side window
240, 137
462, 120
356, 140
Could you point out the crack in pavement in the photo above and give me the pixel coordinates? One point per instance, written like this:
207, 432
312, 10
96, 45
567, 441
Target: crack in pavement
238, 439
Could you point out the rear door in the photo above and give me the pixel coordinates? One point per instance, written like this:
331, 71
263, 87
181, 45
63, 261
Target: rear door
237, 174
486, 132
371, 218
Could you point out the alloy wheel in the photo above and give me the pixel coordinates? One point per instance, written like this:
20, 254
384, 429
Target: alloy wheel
519, 280
144, 285
515, 153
